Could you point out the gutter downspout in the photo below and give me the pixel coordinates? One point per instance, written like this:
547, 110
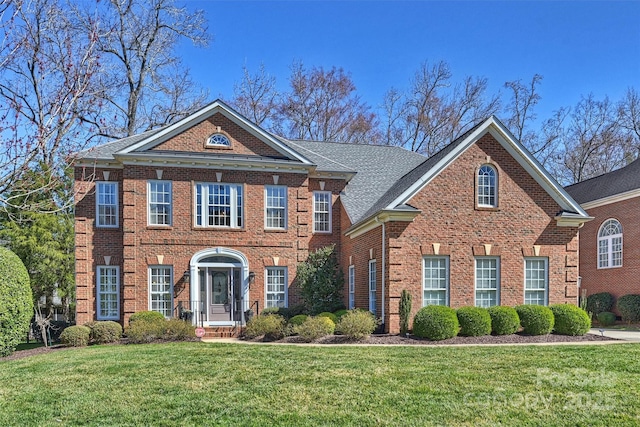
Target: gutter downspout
384, 269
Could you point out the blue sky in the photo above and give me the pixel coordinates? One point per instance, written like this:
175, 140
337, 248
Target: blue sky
578, 47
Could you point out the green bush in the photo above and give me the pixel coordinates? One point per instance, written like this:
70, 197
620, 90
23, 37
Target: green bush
535, 319
298, 320
316, 327
474, 321
340, 313
321, 281
570, 319
597, 303
16, 302
270, 310
331, 316
145, 315
436, 322
357, 324
146, 330
75, 336
404, 310
178, 330
629, 308
105, 332
606, 318
270, 325
504, 320
289, 312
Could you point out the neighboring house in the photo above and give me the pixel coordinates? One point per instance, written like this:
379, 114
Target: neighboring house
610, 244
214, 214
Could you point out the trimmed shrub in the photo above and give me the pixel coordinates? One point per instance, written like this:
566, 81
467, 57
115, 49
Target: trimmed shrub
144, 331
16, 301
405, 311
606, 318
357, 324
320, 281
316, 327
105, 332
535, 319
289, 312
298, 320
178, 330
570, 319
436, 322
474, 321
270, 310
269, 325
331, 316
340, 313
629, 308
145, 315
75, 336
504, 320
597, 303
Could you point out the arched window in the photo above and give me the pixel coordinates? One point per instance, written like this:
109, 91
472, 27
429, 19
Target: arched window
487, 187
218, 139
610, 244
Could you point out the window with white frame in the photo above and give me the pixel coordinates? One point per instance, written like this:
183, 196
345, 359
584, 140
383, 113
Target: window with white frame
218, 139
275, 206
372, 286
487, 187
106, 204
352, 287
218, 205
322, 212
487, 281
108, 292
161, 290
610, 244
536, 282
276, 287
435, 281
159, 193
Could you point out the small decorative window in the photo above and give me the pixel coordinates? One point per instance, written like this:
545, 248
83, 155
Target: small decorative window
610, 244
487, 187
218, 140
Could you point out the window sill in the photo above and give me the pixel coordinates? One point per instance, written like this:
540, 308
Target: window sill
488, 208
609, 268
201, 228
159, 227
275, 230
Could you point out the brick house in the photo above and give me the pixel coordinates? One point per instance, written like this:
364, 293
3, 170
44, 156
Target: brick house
213, 213
610, 244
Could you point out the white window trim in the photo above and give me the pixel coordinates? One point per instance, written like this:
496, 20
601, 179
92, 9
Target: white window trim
170, 267
149, 202
373, 302
495, 187
475, 279
266, 207
205, 196
117, 205
546, 279
330, 212
446, 260
352, 287
218, 134
286, 284
98, 293
609, 240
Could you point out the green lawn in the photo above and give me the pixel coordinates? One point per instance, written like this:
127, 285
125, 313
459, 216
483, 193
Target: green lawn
242, 385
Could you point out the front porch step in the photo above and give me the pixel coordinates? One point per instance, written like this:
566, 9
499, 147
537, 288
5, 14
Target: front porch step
222, 331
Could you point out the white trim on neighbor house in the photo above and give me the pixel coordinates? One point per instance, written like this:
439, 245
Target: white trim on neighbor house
612, 199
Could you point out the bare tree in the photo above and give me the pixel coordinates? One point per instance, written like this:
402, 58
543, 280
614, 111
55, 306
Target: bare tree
47, 70
322, 105
256, 97
629, 112
143, 83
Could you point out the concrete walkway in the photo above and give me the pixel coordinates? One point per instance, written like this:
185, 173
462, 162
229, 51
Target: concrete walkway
631, 336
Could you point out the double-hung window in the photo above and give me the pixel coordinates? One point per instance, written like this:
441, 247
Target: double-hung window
610, 244
159, 193
487, 187
352, 287
161, 290
372, 286
276, 287
322, 212
536, 283
108, 292
487, 281
435, 281
275, 206
218, 205
107, 204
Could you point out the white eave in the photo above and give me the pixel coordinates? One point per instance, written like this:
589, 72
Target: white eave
612, 199
387, 215
571, 219
98, 163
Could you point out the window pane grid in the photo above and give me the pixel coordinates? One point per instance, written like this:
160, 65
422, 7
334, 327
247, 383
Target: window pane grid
535, 281
161, 293
610, 244
372, 286
487, 186
107, 199
486, 282
435, 281
322, 211
276, 207
108, 293
159, 203
219, 205
276, 287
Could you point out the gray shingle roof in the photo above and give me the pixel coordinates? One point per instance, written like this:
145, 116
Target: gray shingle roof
107, 150
377, 167
612, 183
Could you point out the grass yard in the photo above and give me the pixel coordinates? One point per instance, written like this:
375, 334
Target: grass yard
245, 385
